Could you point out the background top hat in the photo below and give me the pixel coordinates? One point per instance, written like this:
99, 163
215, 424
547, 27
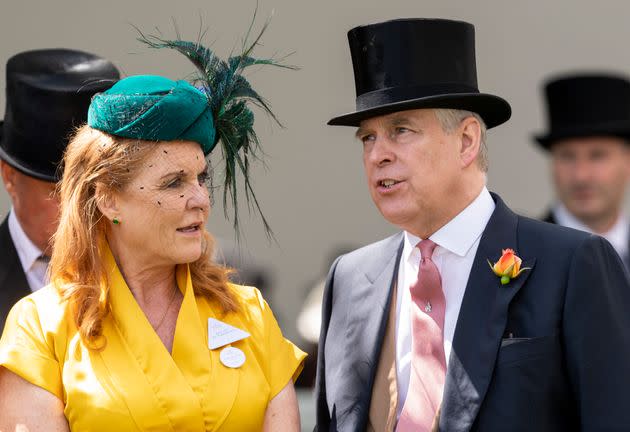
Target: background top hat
417, 63
586, 105
48, 94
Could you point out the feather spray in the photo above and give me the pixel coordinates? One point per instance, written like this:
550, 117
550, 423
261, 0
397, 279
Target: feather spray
229, 95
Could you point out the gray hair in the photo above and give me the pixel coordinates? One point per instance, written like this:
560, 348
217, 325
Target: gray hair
450, 119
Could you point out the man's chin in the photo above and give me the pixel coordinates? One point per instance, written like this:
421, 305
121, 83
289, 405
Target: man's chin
587, 213
400, 218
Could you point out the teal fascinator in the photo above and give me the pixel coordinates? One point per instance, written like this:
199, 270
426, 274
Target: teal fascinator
154, 108
212, 109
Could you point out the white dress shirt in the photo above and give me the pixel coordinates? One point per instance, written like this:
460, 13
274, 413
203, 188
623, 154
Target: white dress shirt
618, 235
457, 244
34, 268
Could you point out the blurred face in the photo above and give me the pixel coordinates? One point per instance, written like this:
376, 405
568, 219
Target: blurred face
412, 166
163, 210
590, 175
34, 203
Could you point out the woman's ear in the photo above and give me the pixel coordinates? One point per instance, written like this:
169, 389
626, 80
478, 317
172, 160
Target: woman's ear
470, 133
107, 202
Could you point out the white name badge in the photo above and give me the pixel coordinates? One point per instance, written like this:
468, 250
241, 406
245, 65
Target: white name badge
232, 357
220, 334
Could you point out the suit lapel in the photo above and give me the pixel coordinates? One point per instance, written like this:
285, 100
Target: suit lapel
370, 303
481, 323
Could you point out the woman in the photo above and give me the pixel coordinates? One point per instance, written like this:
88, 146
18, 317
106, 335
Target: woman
139, 329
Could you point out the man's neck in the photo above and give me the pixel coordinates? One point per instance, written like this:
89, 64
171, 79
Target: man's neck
437, 220
598, 225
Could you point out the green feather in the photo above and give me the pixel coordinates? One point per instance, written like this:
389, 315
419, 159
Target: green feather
229, 95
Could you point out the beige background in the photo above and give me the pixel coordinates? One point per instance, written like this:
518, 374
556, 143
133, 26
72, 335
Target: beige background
313, 191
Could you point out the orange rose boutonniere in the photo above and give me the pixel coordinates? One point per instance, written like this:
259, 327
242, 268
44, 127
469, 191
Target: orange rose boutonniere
508, 267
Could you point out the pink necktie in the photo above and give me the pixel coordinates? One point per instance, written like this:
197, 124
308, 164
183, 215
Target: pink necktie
428, 362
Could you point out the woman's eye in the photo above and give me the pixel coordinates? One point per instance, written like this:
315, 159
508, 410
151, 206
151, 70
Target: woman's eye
175, 183
202, 178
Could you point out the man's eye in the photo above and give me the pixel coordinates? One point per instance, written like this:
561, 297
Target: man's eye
566, 157
367, 138
401, 130
599, 156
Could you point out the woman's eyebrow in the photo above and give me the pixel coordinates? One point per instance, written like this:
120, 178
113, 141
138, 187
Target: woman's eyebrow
182, 172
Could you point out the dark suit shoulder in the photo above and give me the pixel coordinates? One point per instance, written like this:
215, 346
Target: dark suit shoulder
563, 254
531, 231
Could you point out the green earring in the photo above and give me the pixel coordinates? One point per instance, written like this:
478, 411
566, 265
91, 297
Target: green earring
116, 221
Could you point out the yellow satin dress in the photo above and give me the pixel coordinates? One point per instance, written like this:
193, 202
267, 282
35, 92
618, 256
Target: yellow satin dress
134, 384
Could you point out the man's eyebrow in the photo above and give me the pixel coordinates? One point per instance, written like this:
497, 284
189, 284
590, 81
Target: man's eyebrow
399, 120
393, 121
361, 131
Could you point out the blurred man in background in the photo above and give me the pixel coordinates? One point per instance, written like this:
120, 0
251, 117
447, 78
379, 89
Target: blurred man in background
48, 93
589, 128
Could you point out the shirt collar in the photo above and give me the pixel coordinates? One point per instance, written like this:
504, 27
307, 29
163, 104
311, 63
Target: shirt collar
461, 232
617, 235
26, 249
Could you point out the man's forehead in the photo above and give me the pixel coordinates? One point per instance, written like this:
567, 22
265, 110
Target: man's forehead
588, 143
397, 117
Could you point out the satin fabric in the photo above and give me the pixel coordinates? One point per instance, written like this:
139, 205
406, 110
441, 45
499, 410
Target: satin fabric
134, 384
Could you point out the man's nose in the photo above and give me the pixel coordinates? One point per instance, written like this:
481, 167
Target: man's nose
582, 170
382, 151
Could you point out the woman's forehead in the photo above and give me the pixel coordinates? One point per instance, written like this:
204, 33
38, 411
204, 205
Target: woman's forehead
176, 155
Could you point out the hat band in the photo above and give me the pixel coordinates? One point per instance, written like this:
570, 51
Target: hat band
400, 94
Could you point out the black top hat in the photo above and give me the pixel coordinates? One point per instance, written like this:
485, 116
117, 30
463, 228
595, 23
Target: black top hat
587, 105
48, 94
417, 63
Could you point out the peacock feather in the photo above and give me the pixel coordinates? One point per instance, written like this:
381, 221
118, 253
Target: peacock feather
229, 96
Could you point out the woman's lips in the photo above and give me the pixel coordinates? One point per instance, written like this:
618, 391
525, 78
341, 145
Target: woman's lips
190, 229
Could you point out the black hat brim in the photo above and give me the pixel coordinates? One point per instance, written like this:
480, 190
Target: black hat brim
492, 109
21, 166
617, 129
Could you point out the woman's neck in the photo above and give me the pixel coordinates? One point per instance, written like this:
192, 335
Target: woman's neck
147, 280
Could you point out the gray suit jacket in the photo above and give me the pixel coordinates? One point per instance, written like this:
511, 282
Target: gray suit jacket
549, 351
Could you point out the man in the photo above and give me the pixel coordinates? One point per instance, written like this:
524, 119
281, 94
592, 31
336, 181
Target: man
48, 93
418, 330
589, 118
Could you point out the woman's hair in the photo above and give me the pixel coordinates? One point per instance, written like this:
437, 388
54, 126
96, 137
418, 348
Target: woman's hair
96, 163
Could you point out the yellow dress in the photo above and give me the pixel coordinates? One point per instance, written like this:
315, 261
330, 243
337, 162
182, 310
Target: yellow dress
134, 384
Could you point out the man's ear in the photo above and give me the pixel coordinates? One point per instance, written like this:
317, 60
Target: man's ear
470, 135
9, 178
107, 202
